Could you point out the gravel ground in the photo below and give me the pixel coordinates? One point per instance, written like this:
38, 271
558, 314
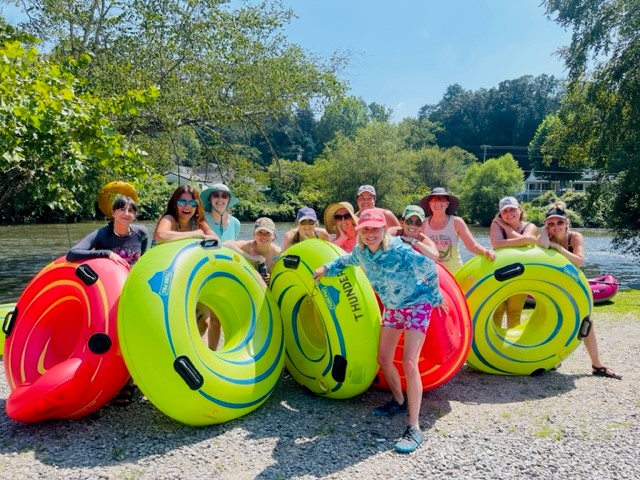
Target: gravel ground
564, 424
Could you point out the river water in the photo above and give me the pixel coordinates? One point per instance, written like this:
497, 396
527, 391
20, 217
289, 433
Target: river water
26, 249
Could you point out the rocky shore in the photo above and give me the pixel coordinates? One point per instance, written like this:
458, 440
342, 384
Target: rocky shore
565, 424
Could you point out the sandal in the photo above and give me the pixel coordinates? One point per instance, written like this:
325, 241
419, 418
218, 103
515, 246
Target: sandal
124, 396
605, 372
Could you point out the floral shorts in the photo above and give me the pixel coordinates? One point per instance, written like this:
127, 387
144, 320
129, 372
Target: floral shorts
414, 317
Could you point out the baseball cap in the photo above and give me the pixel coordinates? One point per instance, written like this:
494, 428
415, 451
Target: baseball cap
265, 224
413, 211
306, 213
374, 218
366, 188
508, 202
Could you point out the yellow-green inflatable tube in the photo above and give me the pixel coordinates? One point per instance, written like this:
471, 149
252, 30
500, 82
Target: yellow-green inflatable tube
560, 320
5, 310
331, 328
163, 349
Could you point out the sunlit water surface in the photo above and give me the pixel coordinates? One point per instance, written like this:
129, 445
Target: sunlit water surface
26, 249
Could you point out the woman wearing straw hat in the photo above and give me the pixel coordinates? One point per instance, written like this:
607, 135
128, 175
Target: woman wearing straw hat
217, 200
446, 229
340, 220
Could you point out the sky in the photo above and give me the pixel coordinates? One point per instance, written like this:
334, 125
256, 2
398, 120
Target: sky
405, 53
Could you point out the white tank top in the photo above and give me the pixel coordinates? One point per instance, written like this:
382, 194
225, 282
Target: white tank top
446, 241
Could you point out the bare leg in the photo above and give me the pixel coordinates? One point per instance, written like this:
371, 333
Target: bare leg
515, 304
591, 344
413, 341
389, 338
498, 313
213, 334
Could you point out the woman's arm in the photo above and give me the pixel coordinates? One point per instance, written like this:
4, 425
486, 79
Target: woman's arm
322, 233
469, 242
287, 241
577, 256
514, 239
86, 248
165, 233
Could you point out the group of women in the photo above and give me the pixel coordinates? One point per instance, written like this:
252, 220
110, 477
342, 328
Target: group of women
371, 237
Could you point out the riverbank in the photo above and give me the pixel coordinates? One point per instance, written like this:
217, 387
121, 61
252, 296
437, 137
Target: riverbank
564, 424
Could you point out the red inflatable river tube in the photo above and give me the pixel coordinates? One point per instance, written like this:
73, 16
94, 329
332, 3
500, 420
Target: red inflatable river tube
447, 343
62, 359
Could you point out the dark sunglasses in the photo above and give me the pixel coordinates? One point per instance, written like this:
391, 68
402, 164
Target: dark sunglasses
553, 224
220, 195
344, 216
306, 222
183, 203
417, 223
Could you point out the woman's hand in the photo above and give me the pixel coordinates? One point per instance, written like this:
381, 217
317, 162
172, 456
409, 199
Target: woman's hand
490, 254
319, 272
113, 256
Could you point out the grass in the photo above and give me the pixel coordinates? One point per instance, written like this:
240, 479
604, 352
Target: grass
626, 302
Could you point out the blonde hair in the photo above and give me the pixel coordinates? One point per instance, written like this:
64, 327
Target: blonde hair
386, 240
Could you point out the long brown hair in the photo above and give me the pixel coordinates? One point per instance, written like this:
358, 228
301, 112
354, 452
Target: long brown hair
172, 205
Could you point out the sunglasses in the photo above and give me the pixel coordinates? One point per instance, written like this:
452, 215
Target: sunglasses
127, 210
183, 203
220, 195
417, 223
344, 216
553, 224
306, 222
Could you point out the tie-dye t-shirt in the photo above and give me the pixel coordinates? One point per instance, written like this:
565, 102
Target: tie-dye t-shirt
400, 275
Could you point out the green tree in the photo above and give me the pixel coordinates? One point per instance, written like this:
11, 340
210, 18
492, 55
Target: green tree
58, 144
223, 69
345, 116
439, 167
374, 156
541, 152
602, 114
483, 185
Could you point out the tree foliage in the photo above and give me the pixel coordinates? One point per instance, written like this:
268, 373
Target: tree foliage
601, 115
57, 141
503, 118
483, 185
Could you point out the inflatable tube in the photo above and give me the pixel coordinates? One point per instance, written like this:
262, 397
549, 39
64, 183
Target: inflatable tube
561, 317
6, 309
62, 359
163, 349
331, 328
447, 343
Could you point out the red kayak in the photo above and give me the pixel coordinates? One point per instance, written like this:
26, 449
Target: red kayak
603, 288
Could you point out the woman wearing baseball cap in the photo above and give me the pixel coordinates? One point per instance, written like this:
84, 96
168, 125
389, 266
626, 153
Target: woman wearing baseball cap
307, 227
407, 283
261, 251
509, 229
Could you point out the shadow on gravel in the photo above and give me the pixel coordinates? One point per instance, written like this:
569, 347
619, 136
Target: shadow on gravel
319, 436
314, 435
474, 387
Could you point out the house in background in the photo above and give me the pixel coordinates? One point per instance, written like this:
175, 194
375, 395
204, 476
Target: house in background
200, 177
534, 186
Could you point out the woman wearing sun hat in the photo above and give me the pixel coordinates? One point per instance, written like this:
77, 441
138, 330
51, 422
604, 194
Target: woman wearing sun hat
556, 234
307, 227
340, 219
446, 229
216, 200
